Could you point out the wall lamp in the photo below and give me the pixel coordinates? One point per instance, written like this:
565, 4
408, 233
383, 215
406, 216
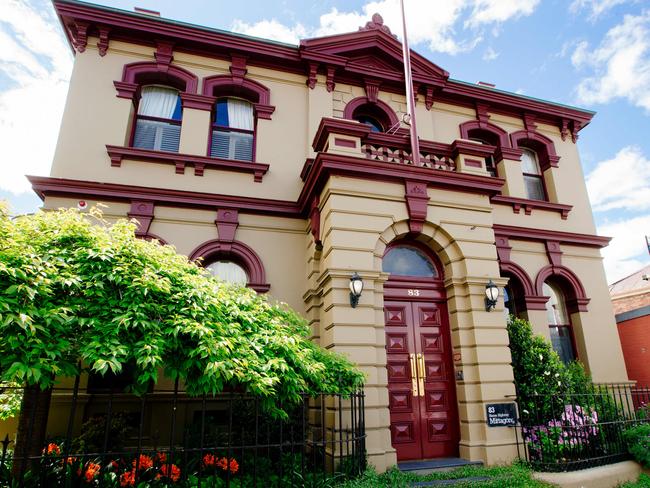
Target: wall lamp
491, 295
356, 288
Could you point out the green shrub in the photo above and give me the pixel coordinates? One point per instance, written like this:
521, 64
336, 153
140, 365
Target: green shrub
637, 440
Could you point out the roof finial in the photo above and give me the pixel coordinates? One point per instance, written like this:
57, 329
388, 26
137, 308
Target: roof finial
377, 23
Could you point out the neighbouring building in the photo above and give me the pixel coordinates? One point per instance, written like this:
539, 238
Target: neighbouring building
288, 168
631, 302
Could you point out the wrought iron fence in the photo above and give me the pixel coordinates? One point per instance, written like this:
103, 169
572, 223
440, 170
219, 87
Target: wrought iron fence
167, 438
581, 429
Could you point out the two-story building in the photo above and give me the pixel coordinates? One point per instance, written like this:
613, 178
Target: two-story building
288, 168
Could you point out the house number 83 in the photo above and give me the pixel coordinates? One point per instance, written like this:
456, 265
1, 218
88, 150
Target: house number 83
413, 293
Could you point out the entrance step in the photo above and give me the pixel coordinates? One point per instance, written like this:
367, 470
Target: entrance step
435, 465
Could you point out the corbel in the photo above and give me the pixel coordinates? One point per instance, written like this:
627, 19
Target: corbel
428, 97
372, 89
329, 82
416, 89
554, 252
180, 167
125, 90
482, 114
529, 124
102, 44
164, 54
575, 128
417, 201
503, 249
142, 211
564, 129
312, 77
238, 68
227, 222
79, 34
314, 222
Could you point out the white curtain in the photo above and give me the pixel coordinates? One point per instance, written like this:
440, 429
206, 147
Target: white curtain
158, 101
529, 162
228, 271
240, 114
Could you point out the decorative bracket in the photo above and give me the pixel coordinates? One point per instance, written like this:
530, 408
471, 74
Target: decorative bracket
238, 68
329, 83
529, 124
372, 89
428, 98
142, 211
575, 128
554, 252
312, 77
314, 217
417, 201
482, 115
102, 44
79, 35
503, 249
227, 222
564, 129
164, 54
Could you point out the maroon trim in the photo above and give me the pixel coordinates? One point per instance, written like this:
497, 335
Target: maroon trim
574, 292
329, 126
143, 212
473, 163
118, 153
239, 252
227, 222
539, 143
47, 186
484, 130
142, 73
314, 221
528, 205
379, 108
253, 91
554, 252
199, 102
417, 202
526, 233
344, 142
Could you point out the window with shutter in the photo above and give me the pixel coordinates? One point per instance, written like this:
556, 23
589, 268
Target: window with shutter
559, 323
158, 121
233, 130
533, 179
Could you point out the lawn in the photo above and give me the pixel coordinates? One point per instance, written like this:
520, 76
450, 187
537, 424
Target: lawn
512, 476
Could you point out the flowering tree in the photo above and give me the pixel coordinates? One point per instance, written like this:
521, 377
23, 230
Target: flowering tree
76, 292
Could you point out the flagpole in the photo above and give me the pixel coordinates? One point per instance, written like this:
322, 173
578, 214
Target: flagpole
410, 98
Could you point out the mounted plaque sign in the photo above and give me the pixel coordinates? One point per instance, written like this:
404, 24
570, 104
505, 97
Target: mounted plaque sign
501, 414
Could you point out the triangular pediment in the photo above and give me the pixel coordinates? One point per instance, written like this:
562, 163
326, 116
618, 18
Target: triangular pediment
374, 51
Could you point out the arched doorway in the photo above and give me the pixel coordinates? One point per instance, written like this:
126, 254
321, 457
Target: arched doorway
421, 385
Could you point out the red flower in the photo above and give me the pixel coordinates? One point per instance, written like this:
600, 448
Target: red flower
234, 466
145, 463
160, 457
209, 461
128, 478
91, 471
52, 448
71, 460
223, 463
170, 471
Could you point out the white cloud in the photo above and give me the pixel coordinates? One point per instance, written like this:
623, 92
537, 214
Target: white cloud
622, 182
490, 54
620, 65
627, 251
35, 61
434, 25
596, 7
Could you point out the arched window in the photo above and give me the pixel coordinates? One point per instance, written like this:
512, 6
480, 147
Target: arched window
228, 271
158, 119
559, 323
490, 165
377, 115
408, 261
533, 179
233, 129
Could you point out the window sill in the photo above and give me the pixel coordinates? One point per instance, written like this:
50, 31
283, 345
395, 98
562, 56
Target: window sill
180, 161
529, 205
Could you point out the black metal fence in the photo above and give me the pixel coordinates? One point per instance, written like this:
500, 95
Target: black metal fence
167, 438
578, 430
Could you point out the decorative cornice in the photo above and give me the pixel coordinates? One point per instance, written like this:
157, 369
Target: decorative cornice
528, 205
126, 89
199, 102
526, 233
118, 153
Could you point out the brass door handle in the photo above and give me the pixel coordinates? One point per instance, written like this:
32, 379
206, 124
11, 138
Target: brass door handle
414, 379
422, 375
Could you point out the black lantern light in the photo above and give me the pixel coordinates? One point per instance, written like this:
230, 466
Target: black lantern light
491, 295
356, 287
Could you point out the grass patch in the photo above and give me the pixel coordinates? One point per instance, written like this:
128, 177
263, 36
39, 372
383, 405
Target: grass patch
512, 476
643, 482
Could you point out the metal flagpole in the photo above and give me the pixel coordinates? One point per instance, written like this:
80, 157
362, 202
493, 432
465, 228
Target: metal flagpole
410, 99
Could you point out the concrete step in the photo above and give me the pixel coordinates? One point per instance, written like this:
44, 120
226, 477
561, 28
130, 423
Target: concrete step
435, 465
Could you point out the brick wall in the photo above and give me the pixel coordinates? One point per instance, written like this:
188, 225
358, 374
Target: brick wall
625, 304
635, 340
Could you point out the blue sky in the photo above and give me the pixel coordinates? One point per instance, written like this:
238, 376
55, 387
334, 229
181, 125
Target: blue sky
590, 53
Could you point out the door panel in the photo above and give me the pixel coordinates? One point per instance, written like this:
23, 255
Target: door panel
422, 393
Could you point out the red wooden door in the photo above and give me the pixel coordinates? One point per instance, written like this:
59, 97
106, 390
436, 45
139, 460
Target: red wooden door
421, 388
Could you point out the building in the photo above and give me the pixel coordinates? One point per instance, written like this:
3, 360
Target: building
288, 168
631, 302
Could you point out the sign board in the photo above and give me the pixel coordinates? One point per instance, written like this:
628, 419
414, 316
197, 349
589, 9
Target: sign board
501, 414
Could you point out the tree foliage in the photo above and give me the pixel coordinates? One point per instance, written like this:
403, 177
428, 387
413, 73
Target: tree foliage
75, 289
